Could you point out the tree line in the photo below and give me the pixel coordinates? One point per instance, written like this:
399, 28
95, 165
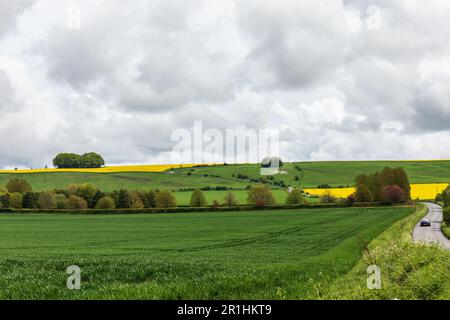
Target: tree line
73, 160
19, 194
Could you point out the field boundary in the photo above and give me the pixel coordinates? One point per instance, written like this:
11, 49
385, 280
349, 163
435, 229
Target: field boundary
187, 209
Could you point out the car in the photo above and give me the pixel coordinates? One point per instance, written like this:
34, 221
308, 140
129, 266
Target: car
425, 223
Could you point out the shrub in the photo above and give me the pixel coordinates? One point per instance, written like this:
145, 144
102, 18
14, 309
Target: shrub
46, 200
327, 197
16, 200
148, 197
230, 199
260, 196
136, 201
295, 197
30, 200
72, 189
18, 185
87, 191
198, 199
447, 215
61, 201
124, 199
165, 199
363, 194
4, 200
394, 194
76, 202
106, 203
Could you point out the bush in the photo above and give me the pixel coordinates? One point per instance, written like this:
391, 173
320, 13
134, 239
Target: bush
136, 201
198, 199
106, 203
446, 213
260, 196
87, 191
46, 200
165, 199
363, 194
16, 200
230, 199
18, 185
61, 201
295, 197
124, 199
394, 194
30, 200
76, 202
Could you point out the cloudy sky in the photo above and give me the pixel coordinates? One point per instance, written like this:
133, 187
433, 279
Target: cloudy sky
340, 79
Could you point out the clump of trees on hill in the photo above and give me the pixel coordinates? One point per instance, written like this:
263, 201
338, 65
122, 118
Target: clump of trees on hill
72, 160
390, 185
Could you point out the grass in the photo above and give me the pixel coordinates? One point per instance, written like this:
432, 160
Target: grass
408, 270
224, 255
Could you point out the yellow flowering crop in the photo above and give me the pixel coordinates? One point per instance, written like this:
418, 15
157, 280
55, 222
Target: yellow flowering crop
422, 191
131, 168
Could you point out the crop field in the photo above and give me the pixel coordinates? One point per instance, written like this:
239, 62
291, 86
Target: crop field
260, 254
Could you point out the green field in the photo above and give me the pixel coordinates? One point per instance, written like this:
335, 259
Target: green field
312, 174
259, 254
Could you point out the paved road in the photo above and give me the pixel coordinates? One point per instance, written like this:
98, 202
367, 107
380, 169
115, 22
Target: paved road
432, 234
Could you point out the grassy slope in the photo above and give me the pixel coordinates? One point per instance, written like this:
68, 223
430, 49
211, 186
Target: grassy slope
267, 254
334, 173
408, 270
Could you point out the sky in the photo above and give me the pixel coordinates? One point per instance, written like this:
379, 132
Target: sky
338, 79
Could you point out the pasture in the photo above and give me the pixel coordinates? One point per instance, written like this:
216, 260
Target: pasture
224, 255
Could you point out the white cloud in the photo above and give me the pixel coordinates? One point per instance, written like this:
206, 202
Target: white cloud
336, 87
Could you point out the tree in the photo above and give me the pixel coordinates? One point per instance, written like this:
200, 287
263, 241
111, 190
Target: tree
67, 160
4, 200
91, 160
401, 179
46, 200
362, 179
387, 177
148, 198
106, 203
136, 201
16, 200
230, 199
124, 199
87, 191
165, 199
198, 199
295, 197
394, 194
30, 200
61, 201
76, 202
363, 194
327, 197
72, 160
260, 196
18, 185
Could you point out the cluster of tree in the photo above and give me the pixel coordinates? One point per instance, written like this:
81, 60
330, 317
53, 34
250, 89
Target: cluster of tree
19, 194
72, 160
391, 185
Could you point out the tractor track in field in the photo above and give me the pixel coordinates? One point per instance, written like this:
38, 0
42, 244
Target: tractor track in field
262, 238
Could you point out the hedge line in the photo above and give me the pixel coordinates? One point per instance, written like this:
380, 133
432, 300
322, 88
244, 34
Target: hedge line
186, 209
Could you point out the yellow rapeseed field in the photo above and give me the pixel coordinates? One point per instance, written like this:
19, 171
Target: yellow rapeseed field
131, 168
422, 191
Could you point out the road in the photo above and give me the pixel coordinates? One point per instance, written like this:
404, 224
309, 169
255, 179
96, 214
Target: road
432, 234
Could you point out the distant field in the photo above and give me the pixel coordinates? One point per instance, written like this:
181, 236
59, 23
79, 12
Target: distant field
303, 175
224, 255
